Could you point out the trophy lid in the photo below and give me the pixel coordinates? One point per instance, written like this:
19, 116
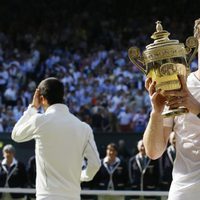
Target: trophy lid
161, 37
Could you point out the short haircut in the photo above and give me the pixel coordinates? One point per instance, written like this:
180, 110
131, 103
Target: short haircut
8, 148
113, 146
52, 89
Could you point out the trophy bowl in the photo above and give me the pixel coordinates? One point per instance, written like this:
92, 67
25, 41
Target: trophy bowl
164, 60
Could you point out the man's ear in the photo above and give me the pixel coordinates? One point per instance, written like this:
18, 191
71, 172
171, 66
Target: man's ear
43, 100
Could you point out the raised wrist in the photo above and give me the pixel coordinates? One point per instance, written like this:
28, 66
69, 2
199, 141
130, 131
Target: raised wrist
155, 114
33, 106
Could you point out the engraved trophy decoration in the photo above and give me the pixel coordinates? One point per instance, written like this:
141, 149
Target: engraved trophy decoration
164, 60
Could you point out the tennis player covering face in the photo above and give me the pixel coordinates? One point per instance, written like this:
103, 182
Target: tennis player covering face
62, 141
186, 171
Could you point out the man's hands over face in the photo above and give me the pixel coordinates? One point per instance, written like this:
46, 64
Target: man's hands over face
36, 99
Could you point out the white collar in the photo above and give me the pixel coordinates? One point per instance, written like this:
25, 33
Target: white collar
57, 106
14, 162
105, 160
141, 156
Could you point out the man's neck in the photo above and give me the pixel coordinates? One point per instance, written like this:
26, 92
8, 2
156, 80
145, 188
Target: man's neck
45, 107
111, 161
142, 154
9, 162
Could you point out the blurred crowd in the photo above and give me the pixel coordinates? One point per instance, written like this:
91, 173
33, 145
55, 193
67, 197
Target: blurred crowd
102, 86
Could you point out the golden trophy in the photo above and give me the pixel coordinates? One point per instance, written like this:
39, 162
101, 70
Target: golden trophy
164, 60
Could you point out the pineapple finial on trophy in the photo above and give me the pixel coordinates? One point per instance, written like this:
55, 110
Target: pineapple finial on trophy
159, 27
160, 35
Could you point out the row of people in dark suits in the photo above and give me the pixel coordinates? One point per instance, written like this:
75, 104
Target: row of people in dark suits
140, 173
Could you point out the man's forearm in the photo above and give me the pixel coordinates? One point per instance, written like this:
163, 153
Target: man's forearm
154, 140
24, 128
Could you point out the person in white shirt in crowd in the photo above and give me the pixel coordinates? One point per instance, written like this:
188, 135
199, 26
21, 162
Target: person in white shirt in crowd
10, 95
1, 125
186, 172
139, 120
62, 142
18, 110
9, 119
3, 78
124, 119
139, 100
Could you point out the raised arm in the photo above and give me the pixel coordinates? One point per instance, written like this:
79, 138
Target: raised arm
156, 135
24, 129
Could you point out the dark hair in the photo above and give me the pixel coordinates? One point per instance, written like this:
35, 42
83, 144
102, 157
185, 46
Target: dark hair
113, 146
52, 89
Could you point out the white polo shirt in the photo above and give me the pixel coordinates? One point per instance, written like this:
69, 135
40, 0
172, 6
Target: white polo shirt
186, 172
62, 141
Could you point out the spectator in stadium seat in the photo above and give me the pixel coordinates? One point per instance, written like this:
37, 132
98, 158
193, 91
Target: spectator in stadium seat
3, 78
9, 119
124, 119
139, 120
12, 174
10, 95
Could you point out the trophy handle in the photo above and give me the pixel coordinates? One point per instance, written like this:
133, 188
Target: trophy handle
191, 43
136, 58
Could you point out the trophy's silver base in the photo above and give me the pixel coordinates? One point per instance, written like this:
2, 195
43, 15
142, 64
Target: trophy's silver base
175, 112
